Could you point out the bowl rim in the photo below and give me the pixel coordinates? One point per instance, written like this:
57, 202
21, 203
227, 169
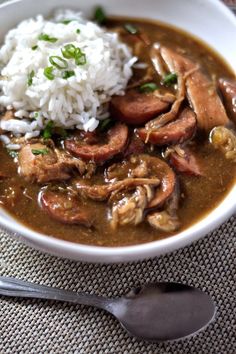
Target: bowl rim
102, 254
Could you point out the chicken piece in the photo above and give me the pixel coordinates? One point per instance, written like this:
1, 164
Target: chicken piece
137, 108
130, 210
224, 139
117, 138
201, 92
163, 221
103, 192
160, 63
175, 132
228, 90
65, 208
43, 163
167, 220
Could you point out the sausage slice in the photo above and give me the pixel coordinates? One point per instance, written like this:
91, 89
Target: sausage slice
117, 138
175, 132
64, 208
137, 108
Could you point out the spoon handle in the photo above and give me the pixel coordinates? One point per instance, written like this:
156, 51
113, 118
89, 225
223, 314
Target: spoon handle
12, 287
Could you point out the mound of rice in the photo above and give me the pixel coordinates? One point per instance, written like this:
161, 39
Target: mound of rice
78, 101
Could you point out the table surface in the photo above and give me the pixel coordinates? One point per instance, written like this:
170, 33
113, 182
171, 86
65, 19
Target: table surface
31, 326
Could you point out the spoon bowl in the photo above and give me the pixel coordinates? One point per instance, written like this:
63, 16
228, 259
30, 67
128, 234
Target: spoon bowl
164, 311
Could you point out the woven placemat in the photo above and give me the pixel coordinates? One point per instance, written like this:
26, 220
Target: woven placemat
35, 327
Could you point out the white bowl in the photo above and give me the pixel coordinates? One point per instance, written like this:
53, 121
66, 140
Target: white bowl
208, 19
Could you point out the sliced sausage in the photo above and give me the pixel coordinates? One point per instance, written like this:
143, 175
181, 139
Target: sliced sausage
117, 138
228, 90
186, 163
175, 132
137, 108
201, 92
64, 208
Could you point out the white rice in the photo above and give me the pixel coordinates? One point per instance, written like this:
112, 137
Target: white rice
80, 101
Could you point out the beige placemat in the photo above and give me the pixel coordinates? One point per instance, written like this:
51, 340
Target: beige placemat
45, 327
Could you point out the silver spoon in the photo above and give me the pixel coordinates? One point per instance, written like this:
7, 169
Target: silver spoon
154, 312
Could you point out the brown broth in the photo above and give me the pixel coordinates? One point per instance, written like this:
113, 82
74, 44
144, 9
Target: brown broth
199, 194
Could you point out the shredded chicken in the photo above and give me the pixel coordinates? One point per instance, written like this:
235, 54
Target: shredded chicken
103, 192
163, 221
130, 210
167, 220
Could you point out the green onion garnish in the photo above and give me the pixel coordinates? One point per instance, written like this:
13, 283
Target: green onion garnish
47, 38
40, 151
30, 78
58, 62
78, 31
48, 72
34, 47
13, 154
80, 59
170, 79
66, 22
67, 74
100, 15
105, 124
36, 115
148, 87
68, 51
48, 131
131, 28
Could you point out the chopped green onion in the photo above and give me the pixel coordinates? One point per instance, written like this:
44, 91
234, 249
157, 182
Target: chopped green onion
66, 22
35, 47
105, 124
78, 31
148, 87
13, 154
100, 15
58, 62
48, 72
67, 74
131, 28
36, 114
170, 79
68, 51
30, 78
47, 38
80, 59
48, 131
40, 151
